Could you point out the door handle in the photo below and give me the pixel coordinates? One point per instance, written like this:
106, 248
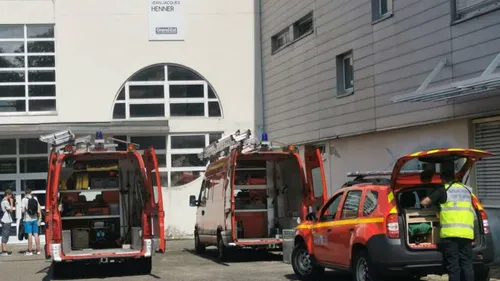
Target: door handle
329, 230
203, 212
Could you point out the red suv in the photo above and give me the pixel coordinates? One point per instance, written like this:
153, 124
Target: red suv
375, 227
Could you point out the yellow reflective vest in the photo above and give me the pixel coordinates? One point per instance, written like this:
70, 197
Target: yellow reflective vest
457, 214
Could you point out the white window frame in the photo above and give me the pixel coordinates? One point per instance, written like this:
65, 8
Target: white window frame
474, 10
166, 100
389, 8
344, 71
283, 34
168, 152
26, 70
300, 22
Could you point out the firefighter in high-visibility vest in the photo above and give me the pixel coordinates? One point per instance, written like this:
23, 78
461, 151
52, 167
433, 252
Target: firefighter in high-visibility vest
456, 217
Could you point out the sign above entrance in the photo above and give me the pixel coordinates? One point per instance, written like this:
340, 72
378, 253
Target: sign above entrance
166, 20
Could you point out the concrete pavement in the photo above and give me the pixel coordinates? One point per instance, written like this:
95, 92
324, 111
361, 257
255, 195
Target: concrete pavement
179, 263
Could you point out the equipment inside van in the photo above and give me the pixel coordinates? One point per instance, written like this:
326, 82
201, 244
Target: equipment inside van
253, 192
103, 205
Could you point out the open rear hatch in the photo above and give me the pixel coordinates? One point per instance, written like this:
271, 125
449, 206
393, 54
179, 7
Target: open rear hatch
414, 177
272, 194
109, 204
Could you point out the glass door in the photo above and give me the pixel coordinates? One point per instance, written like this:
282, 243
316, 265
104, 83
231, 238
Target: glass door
23, 164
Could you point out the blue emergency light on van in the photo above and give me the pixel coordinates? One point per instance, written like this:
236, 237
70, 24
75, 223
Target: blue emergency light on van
264, 137
98, 135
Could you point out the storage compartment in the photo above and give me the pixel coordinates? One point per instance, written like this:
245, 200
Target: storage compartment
422, 228
101, 204
79, 238
421, 225
267, 194
251, 225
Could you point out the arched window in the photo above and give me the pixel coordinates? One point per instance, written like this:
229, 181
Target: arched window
166, 90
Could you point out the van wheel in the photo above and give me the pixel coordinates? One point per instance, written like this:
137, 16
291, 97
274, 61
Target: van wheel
60, 270
198, 247
363, 269
482, 274
142, 266
221, 249
303, 264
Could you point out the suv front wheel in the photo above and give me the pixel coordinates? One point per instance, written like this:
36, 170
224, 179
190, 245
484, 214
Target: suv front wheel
303, 264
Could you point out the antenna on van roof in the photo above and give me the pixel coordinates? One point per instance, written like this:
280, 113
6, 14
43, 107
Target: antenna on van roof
229, 142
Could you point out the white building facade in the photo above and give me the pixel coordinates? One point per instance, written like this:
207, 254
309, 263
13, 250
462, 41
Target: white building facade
162, 73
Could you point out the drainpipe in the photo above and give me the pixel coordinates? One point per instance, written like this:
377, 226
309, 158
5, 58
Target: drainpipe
259, 77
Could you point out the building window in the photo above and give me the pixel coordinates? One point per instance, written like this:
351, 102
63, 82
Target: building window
27, 69
303, 26
381, 9
280, 40
345, 74
161, 91
469, 8
177, 155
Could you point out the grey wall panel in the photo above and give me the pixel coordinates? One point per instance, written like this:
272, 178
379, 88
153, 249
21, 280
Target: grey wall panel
294, 104
385, 91
475, 24
472, 66
307, 117
301, 137
326, 100
415, 57
295, 129
342, 111
479, 36
490, 104
407, 48
408, 71
488, 48
390, 57
429, 115
347, 118
348, 129
414, 33
350, 15
391, 109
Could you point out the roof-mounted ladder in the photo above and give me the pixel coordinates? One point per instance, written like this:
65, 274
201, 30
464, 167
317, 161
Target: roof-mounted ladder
59, 141
362, 174
225, 144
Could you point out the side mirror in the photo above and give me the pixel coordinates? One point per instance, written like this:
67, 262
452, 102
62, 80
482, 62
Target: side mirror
192, 201
311, 216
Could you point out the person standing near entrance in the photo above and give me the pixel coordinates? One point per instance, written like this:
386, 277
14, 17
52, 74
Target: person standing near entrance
456, 218
7, 206
30, 208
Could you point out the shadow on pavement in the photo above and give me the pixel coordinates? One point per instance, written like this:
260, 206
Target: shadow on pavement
495, 272
84, 272
238, 256
329, 275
